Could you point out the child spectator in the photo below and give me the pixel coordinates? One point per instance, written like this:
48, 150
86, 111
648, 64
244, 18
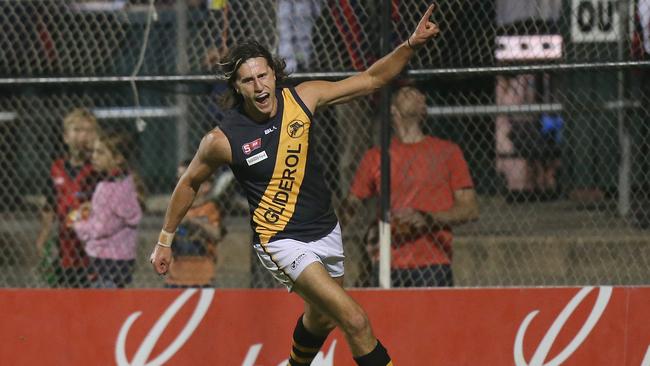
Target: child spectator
108, 226
72, 181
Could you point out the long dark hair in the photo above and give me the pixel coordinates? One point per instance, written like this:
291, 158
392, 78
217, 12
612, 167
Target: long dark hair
236, 57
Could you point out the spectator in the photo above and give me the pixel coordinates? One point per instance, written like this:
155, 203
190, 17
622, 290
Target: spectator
72, 181
215, 31
528, 147
195, 243
108, 226
295, 22
217, 26
431, 191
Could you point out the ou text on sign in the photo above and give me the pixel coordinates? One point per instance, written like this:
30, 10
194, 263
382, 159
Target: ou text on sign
595, 21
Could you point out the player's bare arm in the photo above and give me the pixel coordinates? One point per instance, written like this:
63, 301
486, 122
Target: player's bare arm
213, 152
321, 93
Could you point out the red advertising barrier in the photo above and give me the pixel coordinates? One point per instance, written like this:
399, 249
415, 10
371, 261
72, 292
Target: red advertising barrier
531, 327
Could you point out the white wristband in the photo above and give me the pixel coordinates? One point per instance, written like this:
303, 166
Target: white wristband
165, 239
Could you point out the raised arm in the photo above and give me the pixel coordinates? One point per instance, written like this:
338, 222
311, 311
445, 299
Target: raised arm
213, 152
321, 93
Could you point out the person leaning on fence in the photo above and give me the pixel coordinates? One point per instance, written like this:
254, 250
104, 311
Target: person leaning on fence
195, 243
266, 140
431, 192
72, 180
108, 225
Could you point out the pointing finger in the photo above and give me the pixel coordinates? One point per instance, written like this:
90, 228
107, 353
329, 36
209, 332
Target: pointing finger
428, 13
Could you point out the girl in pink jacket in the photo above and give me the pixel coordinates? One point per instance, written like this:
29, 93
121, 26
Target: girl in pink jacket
108, 227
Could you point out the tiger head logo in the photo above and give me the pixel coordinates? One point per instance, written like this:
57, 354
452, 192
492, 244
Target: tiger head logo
296, 128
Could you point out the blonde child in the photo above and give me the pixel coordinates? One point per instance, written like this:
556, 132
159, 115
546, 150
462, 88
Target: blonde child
71, 183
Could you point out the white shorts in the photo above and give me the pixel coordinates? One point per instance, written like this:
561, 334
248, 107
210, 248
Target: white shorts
287, 258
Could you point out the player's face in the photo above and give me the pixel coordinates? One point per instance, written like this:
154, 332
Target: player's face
256, 84
80, 137
103, 159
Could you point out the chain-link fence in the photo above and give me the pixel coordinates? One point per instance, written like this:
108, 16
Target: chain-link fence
545, 102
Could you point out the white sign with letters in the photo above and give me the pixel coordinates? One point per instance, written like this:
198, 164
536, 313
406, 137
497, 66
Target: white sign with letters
595, 21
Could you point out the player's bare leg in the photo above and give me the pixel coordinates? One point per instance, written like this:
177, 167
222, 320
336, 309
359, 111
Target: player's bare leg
316, 321
310, 333
327, 303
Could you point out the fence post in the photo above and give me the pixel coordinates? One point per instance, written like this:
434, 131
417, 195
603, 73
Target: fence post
624, 138
384, 224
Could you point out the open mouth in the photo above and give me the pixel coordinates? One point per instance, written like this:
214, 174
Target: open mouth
262, 98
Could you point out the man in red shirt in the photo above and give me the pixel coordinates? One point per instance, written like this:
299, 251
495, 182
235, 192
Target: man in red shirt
431, 191
72, 181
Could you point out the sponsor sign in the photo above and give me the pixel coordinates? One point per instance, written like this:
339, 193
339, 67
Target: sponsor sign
599, 20
514, 326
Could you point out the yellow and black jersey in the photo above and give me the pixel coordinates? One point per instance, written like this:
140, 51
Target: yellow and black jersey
275, 163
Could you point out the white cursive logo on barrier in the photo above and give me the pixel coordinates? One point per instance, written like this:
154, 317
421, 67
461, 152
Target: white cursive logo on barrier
646, 359
144, 351
539, 357
320, 359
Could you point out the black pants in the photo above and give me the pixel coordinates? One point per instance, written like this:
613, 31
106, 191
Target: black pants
76, 277
439, 275
112, 273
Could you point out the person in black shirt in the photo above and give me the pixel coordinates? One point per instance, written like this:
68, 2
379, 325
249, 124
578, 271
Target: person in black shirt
265, 138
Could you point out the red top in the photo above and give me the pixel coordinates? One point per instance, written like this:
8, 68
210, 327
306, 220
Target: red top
424, 176
70, 187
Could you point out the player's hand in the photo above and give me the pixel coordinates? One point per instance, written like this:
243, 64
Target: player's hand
425, 30
161, 258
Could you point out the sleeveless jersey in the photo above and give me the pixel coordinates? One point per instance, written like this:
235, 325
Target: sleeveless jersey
275, 164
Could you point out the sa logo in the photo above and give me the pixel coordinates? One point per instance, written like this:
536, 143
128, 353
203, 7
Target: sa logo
296, 128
